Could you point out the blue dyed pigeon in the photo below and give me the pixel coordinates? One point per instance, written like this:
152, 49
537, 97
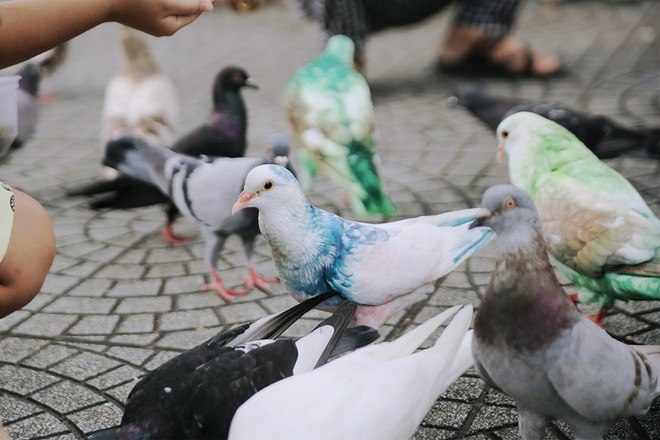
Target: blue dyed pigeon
383, 267
329, 106
382, 391
532, 343
600, 232
204, 191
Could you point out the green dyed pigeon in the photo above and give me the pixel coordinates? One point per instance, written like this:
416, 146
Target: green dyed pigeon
598, 229
329, 106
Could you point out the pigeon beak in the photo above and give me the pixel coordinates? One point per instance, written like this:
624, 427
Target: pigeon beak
483, 214
500, 152
251, 83
243, 201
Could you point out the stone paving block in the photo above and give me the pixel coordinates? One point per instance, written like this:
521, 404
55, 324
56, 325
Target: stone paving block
12, 320
490, 417
143, 323
122, 391
12, 408
126, 288
184, 284
168, 269
198, 301
65, 397
45, 324
140, 339
82, 270
48, 356
185, 340
168, 255
38, 426
14, 349
23, 380
91, 287
188, 320
85, 365
160, 358
81, 305
119, 271
424, 433
95, 325
133, 256
116, 377
447, 414
241, 313
98, 417
106, 254
144, 305
464, 389
130, 354
57, 284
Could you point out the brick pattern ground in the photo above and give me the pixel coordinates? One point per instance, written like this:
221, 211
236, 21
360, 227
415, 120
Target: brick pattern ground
118, 301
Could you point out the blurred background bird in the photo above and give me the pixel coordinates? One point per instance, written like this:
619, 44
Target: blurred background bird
598, 229
204, 191
603, 136
329, 106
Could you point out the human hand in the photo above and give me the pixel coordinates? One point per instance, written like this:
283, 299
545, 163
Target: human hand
158, 17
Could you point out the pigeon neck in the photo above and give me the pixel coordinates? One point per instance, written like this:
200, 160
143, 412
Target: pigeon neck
287, 227
525, 306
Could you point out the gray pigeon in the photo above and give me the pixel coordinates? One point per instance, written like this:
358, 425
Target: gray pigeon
531, 342
203, 189
28, 103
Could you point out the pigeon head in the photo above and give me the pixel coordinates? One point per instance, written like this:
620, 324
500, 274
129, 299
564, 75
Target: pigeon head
233, 78
268, 186
514, 132
340, 47
30, 78
469, 96
504, 208
278, 148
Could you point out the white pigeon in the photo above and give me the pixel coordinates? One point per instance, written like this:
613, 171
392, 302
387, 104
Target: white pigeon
139, 98
377, 392
383, 267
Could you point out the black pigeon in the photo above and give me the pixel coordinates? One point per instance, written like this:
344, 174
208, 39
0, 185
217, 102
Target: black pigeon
223, 135
195, 394
603, 136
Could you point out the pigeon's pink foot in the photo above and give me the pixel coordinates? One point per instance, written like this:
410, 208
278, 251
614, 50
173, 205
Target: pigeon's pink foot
226, 293
254, 279
47, 97
599, 316
174, 238
574, 298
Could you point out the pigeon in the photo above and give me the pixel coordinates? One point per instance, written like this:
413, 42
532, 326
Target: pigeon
532, 343
598, 229
329, 106
204, 190
603, 136
382, 391
27, 100
383, 267
223, 135
195, 394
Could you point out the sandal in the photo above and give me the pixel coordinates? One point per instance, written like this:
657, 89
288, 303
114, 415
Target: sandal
480, 61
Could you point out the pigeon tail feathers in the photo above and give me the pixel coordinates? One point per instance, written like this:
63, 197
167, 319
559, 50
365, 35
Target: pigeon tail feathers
362, 166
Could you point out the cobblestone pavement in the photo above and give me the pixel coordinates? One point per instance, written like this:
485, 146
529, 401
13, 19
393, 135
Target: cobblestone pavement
119, 301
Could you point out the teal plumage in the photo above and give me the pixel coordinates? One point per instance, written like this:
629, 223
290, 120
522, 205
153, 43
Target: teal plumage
329, 106
600, 232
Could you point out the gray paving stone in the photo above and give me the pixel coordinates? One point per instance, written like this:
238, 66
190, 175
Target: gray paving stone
95, 325
66, 397
184, 284
130, 288
98, 417
48, 356
57, 284
85, 365
133, 355
23, 381
494, 416
119, 271
144, 305
143, 323
12, 408
14, 349
185, 340
447, 414
116, 377
91, 287
15, 318
80, 305
45, 324
37, 426
188, 320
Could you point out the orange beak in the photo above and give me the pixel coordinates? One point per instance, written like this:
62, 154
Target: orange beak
500, 152
243, 201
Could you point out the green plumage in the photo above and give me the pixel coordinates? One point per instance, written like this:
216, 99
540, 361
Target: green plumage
595, 224
329, 106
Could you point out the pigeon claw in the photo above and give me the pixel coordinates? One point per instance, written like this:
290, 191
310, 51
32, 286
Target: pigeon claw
253, 279
174, 238
226, 293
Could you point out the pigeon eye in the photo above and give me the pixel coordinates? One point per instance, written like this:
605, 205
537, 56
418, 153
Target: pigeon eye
509, 204
268, 184
505, 134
